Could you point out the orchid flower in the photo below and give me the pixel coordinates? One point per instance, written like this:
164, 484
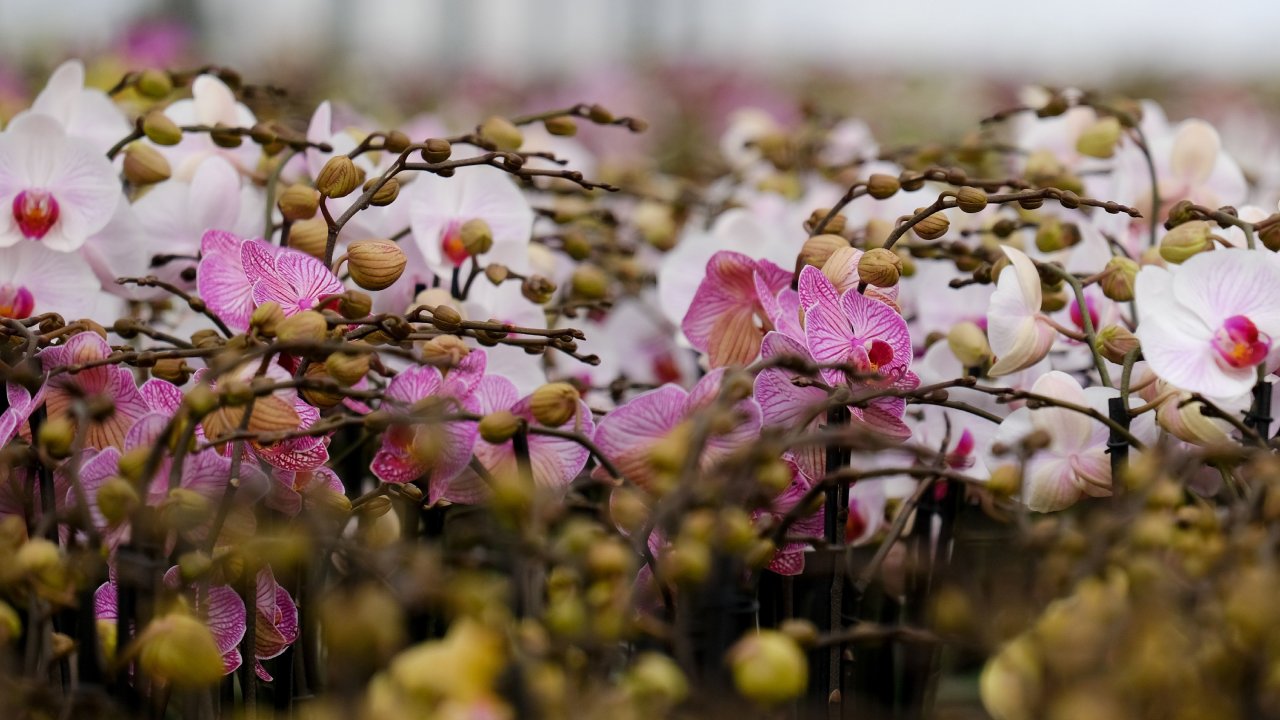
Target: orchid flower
397, 460
115, 382
789, 559
784, 403
726, 319
84, 112
35, 279
858, 331
1019, 334
627, 434
438, 208
293, 279
212, 103
1207, 325
276, 626
283, 409
54, 189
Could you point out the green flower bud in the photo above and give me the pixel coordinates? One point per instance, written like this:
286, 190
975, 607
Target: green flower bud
880, 267
554, 404
1114, 342
476, 236
179, 649
769, 668
160, 129
144, 165
1186, 241
502, 133
1118, 279
1099, 139
969, 344
154, 84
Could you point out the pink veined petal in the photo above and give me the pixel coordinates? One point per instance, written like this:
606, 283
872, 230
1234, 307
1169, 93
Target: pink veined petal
231, 661
814, 287
296, 454
1218, 285
258, 260
704, 392
873, 320
461, 439
308, 276
728, 286
772, 276
220, 241
829, 338
462, 380
391, 465
225, 289
413, 384
626, 433
1049, 485
226, 618
105, 602
495, 392
789, 560
557, 461
162, 396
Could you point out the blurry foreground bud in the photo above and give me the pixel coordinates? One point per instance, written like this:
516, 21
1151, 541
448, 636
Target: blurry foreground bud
144, 165
1118, 279
881, 186
554, 404
502, 133
306, 326
375, 264
769, 668
499, 426
298, 202
225, 136
590, 282
969, 344
364, 625
347, 368
179, 649
1099, 139
386, 194
656, 224
561, 125
339, 177
444, 350
971, 199
819, 248
153, 84
1010, 684
266, 318
1005, 481
476, 236
354, 304
1186, 241
160, 129
117, 499
55, 437
321, 392
1114, 342
446, 318
496, 274
654, 676
538, 289
174, 370
880, 267
932, 227
10, 624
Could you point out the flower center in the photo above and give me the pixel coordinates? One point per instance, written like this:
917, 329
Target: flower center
1239, 344
35, 211
16, 301
451, 243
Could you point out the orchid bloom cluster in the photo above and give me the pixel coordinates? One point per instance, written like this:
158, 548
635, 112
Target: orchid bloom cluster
390, 416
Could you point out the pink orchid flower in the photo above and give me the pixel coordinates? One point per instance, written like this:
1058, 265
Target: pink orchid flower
726, 319
627, 434
21, 405
222, 281
555, 461
224, 614
289, 491
277, 625
1206, 325
291, 278
55, 189
784, 403
789, 559
112, 381
859, 331
438, 207
1019, 334
395, 461
293, 454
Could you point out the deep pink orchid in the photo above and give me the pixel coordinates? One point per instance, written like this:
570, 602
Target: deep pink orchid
789, 559
859, 331
627, 434
277, 625
727, 319
291, 278
396, 461
111, 381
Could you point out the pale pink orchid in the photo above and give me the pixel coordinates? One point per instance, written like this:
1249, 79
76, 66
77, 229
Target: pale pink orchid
627, 434
54, 189
438, 208
293, 279
212, 103
726, 319
84, 112
554, 461
1206, 325
1019, 334
397, 460
221, 279
222, 611
35, 279
113, 381
633, 341
1075, 464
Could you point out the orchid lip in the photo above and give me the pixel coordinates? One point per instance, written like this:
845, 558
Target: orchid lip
1239, 344
16, 302
35, 212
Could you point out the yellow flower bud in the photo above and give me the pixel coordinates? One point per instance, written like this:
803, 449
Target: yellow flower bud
117, 499
225, 136
322, 394
554, 404
375, 264
307, 325
354, 304
476, 236
1186, 240
819, 248
1118, 279
160, 129
656, 676
179, 649
881, 186
10, 624
1114, 342
880, 267
499, 426
56, 436
502, 133
144, 165
310, 236
347, 368
175, 370
444, 350
561, 125
769, 668
339, 177
153, 84
590, 282
1099, 139
298, 202
266, 318
656, 224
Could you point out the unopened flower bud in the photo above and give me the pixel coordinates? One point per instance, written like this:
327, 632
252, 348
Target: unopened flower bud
499, 426
446, 318
496, 274
179, 649
818, 249
538, 289
561, 125
375, 264
590, 282
969, 344
321, 392
310, 236
153, 84
266, 318
769, 667
932, 227
1054, 106
1186, 240
880, 267
1005, 480
175, 370
1053, 299
144, 165
836, 225
437, 150
971, 199
298, 202
1099, 139
386, 193
656, 224
654, 676
347, 368
881, 186
38, 558
10, 624
1114, 342
396, 142
117, 499
476, 236
56, 436
339, 177
502, 133
554, 404
1118, 279
444, 350
225, 136
354, 304
600, 114
306, 326
161, 129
